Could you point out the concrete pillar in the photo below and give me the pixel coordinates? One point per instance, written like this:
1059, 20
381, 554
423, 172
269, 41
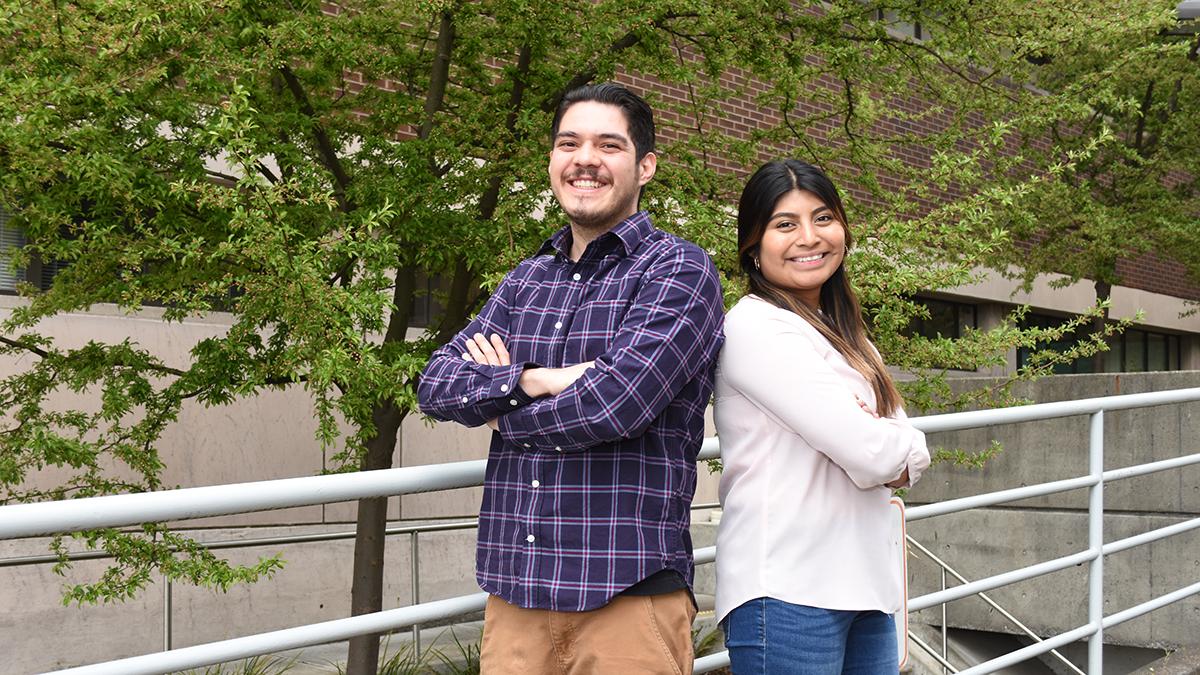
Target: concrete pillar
1189, 352
989, 315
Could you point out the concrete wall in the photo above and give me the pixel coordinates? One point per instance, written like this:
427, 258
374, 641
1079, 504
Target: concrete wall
994, 540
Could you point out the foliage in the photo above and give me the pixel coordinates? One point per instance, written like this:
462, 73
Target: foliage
707, 641
967, 458
1129, 147
302, 167
462, 660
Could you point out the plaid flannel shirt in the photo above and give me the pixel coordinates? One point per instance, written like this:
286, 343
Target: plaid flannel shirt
588, 492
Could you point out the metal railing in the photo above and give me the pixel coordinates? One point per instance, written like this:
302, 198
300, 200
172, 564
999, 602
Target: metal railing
23, 520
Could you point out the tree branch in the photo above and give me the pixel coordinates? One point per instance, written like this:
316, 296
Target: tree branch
439, 75
34, 349
1139, 135
327, 153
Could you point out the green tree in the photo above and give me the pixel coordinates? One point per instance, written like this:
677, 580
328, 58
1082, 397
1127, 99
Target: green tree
302, 165
1133, 146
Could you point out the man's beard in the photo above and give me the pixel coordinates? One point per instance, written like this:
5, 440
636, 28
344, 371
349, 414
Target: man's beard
599, 217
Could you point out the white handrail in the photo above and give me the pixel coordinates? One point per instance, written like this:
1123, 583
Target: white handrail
1044, 411
43, 518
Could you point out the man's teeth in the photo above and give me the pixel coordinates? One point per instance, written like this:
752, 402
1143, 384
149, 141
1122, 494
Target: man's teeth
809, 258
586, 183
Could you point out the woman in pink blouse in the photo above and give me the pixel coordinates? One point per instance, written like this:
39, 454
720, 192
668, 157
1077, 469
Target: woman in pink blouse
813, 441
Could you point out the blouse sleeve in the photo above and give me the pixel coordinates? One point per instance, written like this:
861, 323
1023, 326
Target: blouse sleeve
779, 369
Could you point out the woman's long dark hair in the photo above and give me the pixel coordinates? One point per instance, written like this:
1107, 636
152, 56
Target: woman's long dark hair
840, 319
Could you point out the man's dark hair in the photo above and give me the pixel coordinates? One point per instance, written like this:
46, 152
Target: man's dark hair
637, 112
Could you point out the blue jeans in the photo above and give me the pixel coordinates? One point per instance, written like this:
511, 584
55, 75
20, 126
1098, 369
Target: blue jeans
773, 637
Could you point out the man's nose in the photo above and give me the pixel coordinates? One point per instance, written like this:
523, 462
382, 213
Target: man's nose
586, 155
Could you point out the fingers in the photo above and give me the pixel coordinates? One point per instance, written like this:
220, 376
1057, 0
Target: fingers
481, 350
863, 404
501, 350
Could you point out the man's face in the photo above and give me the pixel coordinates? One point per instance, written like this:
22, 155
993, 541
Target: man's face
594, 172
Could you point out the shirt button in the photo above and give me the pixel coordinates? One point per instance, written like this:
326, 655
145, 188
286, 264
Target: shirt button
576, 276
558, 324
512, 401
558, 448
465, 399
526, 445
504, 387
530, 538
536, 483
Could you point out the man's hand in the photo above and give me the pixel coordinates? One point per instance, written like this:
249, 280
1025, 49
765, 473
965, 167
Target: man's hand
536, 382
491, 352
488, 352
550, 381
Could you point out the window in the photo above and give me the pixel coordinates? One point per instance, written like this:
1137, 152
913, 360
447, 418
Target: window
11, 239
1135, 350
910, 29
947, 319
39, 272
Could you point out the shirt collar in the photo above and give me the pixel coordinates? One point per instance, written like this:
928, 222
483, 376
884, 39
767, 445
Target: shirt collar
627, 234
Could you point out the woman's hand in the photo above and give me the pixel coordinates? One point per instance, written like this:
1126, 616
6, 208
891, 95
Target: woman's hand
903, 479
900, 482
863, 404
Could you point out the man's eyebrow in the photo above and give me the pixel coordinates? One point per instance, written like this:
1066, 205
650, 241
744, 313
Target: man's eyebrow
615, 137
609, 136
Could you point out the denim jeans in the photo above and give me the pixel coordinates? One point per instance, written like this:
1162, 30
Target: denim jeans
769, 636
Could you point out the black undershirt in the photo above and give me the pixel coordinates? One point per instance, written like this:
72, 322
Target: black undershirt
662, 581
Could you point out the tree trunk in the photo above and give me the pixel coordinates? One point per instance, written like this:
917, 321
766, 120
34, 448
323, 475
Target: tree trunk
1103, 293
366, 594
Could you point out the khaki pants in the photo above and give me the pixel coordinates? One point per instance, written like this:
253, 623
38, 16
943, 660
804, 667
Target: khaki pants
631, 634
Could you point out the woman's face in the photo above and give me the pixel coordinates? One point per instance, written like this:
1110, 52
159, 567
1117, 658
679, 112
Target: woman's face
802, 245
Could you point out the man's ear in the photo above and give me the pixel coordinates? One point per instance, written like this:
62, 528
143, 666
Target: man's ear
647, 165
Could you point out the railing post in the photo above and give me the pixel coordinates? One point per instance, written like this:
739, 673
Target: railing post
167, 611
1096, 545
945, 630
415, 574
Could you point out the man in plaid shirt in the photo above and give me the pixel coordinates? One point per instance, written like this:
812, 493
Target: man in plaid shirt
593, 361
